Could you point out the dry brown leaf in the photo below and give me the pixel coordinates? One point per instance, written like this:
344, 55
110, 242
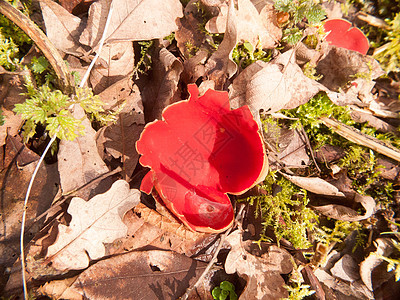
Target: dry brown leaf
132, 20
346, 268
315, 185
119, 140
218, 66
62, 28
79, 157
340, 65
273, 86
115, 62
366, 116
147, 227
258, 30
344, 213
151, 274
76, 7
14, 183
189, 33
263, 273
371, 279
337, 289
124, 96
12, 91
162, 88
93, 223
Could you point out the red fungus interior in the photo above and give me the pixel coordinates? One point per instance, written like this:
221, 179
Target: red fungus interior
198, 153
341, 34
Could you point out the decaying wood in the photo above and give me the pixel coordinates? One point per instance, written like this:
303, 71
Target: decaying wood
359, 138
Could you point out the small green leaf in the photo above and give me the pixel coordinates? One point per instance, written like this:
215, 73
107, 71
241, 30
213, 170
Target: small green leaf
224, 294
216, 292
227, 286
39, 65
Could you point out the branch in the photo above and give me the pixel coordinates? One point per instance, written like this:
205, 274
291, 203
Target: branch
41, 40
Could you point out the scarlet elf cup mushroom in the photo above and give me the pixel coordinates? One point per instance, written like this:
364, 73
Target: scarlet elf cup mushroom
200, 151
341, 34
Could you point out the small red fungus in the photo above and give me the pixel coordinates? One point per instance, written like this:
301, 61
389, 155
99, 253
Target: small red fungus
198, 153
341, 34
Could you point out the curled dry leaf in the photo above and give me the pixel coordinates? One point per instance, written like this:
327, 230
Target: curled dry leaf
371, 279
344, 213
79, 157
93, 223
262, 273
340, 65
162, 89
62, 28
272, 86
335, 288
200, 151
132, 20
151, 274
261, 31
315, 185
217, 65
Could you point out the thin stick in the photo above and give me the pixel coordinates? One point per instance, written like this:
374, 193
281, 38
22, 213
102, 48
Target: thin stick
24, 214
42, 41
360, 138
48, 147
214, 258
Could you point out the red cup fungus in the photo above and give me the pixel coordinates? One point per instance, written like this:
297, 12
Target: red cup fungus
341, 34
198, 153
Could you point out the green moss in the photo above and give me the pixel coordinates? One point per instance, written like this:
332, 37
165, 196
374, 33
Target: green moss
244, 55
284, 208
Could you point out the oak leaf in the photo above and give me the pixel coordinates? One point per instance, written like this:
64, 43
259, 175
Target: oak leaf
94, 223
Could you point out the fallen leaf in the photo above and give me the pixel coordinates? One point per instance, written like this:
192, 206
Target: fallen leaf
337, 289
346, 268
147, 227
132, 20
151, 274
14, 181
124, 96
119, 140
344, 213
115, 62
162, 88
76, 7
12, 91
371, 279
93, 223
273, 86
366, 116
315, 185
260, 31
189, 37
217, 64
62, 28
79, 157
262, 273
340, 65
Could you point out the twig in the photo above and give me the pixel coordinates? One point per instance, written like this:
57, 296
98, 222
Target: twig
38, 34
214, 258
359, 138
42, 41
24, 214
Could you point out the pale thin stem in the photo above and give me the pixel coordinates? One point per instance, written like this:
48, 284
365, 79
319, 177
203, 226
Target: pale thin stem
103, 38
83, 81
24, 213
